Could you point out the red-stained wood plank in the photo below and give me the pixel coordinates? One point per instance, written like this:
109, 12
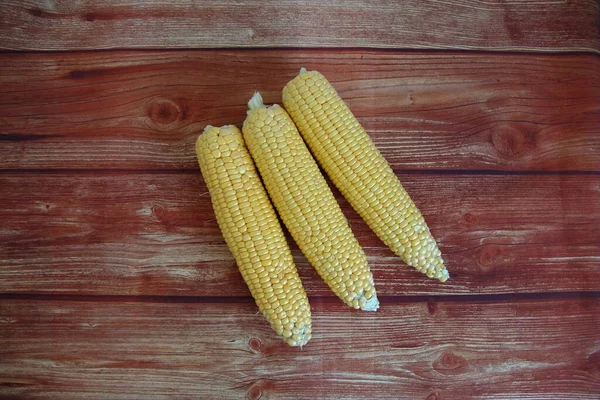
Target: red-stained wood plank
514, 349
534, 25
156, 234
423, 110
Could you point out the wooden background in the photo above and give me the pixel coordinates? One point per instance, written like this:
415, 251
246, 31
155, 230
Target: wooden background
115, 281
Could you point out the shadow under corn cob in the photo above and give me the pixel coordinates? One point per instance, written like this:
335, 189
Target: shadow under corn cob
357, 168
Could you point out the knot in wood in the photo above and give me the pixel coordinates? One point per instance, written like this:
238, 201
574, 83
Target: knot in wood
164, 112
488, 255
450, 364
158, 211
254, 344
514, 140
254, 393
468, 217
433, 396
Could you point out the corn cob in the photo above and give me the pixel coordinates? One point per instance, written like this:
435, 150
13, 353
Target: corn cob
307, 205
253, 233
357, 168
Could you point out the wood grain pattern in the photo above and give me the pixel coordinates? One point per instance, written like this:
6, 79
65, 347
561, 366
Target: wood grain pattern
539, 25
115, 282
424, 111
439, 350
156, 234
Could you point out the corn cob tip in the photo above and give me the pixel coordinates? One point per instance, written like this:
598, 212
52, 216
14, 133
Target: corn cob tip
372, 304
302, 70
300, 339
213, 130
256, 101
218, 130
200, 137
444, 275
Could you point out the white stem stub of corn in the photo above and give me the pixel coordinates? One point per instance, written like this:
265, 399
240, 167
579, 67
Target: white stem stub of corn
253, 233
348, 155
306, 204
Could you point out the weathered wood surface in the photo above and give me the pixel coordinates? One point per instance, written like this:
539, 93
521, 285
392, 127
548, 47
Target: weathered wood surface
534, 25
115, 281
156, 234
512, 349
424, 110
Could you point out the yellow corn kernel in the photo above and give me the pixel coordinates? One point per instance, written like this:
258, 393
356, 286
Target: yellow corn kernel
307, 205
253, 233
357, 168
